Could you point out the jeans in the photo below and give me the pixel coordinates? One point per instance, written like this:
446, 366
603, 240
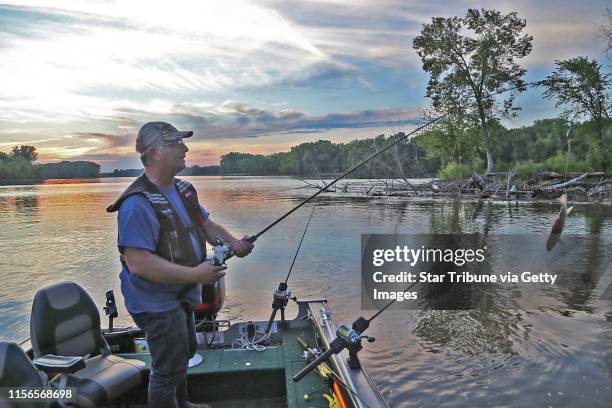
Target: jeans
171, 338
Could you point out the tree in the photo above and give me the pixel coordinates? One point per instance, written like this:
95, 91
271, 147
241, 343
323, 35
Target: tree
579, 85
25, 151
469, 59
453, 140
71, 169
605, 33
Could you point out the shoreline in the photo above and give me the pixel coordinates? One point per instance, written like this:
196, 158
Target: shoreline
502, 187
21, 182
476, 188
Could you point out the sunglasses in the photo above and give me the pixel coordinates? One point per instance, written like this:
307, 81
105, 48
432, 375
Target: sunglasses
178, 142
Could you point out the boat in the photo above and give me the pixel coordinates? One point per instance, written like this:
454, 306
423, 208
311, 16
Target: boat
236, 364
304, 362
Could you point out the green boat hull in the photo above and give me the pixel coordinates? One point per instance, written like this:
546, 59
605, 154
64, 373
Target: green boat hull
230, 376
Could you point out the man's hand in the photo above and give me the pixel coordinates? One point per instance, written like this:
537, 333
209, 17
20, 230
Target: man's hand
208, 273
242, 247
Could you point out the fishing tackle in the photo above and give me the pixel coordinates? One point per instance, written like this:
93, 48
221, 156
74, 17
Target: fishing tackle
221, 252
346, 338
281, 296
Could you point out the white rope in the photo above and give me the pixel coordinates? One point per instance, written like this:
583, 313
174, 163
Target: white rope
251, 344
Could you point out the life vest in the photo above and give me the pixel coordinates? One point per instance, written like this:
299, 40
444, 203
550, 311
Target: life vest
174, 240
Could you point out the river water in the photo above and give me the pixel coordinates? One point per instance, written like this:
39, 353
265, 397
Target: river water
557, 354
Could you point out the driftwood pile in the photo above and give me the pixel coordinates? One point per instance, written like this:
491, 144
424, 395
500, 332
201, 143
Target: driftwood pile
544, 185
538, 185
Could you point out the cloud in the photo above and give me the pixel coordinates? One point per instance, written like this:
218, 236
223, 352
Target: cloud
172, 48
105, 140
14, 142
82, 77
233, 119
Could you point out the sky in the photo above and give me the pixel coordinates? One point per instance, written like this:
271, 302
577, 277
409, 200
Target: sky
79, 78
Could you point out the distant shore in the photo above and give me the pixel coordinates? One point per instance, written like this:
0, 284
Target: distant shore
20, 182
590, 187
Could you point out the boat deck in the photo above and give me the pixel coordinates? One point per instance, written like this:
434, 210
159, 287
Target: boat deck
246, 378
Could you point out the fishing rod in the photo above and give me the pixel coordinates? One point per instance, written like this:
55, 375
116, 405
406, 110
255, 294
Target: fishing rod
346, 173
281, 296
350, 338
223, 251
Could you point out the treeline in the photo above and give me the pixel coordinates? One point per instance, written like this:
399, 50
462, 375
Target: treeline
545, 145
324, 157
541, 146
71, 170
187, 171
448, 147
201, 171
123, 173
19, 164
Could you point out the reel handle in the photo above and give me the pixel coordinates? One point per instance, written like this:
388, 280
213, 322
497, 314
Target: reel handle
313, 364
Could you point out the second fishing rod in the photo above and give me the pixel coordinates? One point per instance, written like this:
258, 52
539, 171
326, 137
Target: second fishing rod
223, 251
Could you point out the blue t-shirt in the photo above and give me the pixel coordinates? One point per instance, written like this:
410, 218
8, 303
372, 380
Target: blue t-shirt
139, 228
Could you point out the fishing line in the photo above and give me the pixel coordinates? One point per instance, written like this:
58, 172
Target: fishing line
360, 324
253, 238
569, 135
300, 244
350, 170
488, 222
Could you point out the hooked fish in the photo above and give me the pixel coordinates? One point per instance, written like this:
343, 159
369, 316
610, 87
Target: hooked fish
558, 224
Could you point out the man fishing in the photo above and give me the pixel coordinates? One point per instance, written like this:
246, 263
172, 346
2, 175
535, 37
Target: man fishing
162, 234
558, 224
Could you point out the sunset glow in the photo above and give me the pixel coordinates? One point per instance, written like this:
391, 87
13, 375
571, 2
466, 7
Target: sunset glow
80, 78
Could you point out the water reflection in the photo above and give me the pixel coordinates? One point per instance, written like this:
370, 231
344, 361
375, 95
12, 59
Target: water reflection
508, 355
5, 204
27, 205
72, 181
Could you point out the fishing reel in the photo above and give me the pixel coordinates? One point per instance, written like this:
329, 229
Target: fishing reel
346, 338
351, 337
280, 298
221, 252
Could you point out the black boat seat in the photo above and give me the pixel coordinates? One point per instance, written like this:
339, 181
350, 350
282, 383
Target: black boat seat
17, 371
66, 322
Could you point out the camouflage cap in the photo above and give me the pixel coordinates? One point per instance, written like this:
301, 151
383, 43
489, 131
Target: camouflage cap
152, 133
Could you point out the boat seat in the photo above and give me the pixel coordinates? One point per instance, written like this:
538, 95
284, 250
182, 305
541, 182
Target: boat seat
17, 371
66, 322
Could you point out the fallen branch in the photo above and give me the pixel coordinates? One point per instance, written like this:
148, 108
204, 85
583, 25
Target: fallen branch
309, 184
567, 183
601, 187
